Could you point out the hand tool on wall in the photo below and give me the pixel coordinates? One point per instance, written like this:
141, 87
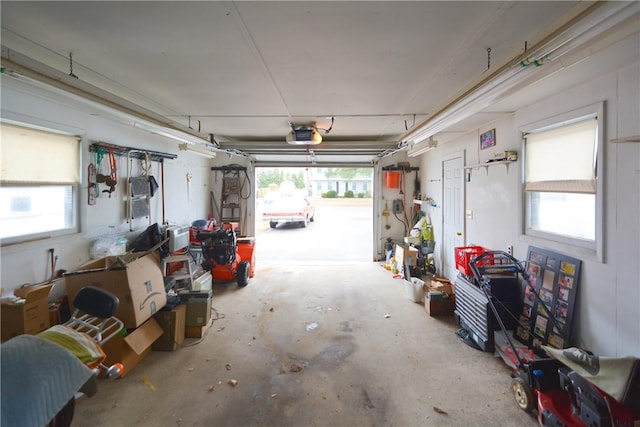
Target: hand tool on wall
92, 185
53, 260
385, 214
112, 179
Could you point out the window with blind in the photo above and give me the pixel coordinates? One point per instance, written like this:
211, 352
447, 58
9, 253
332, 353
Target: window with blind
560, 181
39, 183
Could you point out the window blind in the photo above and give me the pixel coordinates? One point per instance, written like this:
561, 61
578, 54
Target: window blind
562, 159
35, 156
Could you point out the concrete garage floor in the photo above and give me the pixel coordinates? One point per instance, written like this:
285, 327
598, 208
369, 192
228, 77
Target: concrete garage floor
309, 345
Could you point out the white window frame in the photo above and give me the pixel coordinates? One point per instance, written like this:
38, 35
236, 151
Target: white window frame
581, 248
75, 187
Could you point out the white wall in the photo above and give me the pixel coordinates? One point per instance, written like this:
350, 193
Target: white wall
607, 319
184, 202
383, 195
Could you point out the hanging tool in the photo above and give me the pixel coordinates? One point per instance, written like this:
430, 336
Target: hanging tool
92, 185
112, 179
402, 193
53, 260
215, 210
385, 214
189, 177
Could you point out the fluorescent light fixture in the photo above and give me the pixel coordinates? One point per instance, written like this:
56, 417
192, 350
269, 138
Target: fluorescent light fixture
176, 135
198, 149
587, 27
421, 148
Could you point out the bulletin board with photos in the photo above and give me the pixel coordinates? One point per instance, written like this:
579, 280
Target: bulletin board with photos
554, 278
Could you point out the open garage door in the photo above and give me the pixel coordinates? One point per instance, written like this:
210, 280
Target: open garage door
314, 214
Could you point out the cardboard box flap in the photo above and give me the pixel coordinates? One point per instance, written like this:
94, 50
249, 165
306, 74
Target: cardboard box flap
121, 261
113, 262
142, 337
441, 285
33, 293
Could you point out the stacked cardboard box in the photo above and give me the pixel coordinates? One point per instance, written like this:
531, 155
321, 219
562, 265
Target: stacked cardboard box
197, 331
137, 281
27, 315
439, 304
198, 306
405, 253
131, 348
440, 297
441, 284
172, 323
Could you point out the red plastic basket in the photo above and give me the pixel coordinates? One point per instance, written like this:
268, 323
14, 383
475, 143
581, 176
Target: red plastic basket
464, 255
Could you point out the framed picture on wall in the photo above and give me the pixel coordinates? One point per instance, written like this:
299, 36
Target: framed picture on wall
488, 139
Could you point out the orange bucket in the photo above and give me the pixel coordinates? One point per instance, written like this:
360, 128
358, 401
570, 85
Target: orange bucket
392, 179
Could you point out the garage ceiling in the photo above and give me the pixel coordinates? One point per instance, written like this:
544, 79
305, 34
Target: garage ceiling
243, 71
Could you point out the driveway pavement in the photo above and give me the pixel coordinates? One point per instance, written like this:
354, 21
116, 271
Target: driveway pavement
341, 232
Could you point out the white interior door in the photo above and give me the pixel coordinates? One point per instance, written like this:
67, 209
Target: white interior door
452, 211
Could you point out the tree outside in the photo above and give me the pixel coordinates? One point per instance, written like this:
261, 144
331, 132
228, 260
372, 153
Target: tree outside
316, 182
268, 176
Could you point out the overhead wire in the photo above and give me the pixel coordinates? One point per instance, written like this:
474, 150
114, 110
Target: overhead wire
330, 127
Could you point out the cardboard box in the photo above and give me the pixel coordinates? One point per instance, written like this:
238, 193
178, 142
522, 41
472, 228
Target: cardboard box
198, 307
54, 318
29, 317
197, 331
411, 240
172, 323
408, 253
133, 348
441, 285
136, 280
59, 311
439, 307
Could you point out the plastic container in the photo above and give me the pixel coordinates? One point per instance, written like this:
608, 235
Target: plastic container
246, 248
392, 179
464, 255
202, 281
108, 246
414, 289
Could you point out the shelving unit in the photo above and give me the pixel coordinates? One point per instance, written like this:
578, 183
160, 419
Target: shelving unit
231, 196
138, 190
487, 165
231, 204
428, 203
